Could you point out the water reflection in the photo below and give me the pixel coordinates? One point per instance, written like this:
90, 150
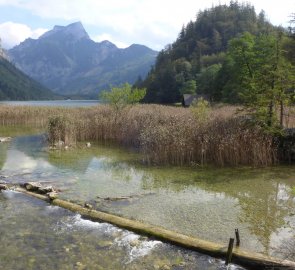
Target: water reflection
3, 154
265, 211
263, 202
208, 203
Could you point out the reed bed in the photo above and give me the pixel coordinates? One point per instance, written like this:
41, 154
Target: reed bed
25, 115
164, 134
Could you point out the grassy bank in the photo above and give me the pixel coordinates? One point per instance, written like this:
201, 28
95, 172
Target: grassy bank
165, 135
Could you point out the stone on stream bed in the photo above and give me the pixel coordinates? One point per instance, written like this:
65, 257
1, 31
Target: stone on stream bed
88, 144
3, 187
5, 139
32, 186
88, 205
45, 190
135, 243
38, 188
52, 195
105, 244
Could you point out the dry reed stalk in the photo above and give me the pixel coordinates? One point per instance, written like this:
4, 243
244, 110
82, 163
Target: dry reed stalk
165, 135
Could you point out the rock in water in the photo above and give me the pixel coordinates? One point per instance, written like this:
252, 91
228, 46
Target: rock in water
5, 139
52, 195
45, 190
59, 144
32, 186
135, 243
87, 205
3, 187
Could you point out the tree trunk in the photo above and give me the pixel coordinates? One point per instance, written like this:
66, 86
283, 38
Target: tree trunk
270, 114
281, 114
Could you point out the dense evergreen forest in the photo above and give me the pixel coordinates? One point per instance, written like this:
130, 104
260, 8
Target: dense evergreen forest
230, 53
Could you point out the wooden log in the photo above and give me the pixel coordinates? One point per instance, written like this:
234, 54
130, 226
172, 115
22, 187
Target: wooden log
116, 198
237, 237
241, 257
229, 252
121, 198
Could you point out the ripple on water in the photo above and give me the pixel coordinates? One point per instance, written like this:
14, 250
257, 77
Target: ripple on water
41, 231
76, 222
135, 245
10, 194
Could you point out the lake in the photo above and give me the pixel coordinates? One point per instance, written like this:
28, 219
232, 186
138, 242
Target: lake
208, 203
53, 103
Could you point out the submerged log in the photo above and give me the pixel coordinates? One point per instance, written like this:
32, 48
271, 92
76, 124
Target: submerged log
122, 198
244, 258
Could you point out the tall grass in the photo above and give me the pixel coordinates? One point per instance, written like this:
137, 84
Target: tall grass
164, 134
31, 116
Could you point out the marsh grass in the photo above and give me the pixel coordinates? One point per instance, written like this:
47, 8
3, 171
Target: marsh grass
164, 134
24, 115
289, 117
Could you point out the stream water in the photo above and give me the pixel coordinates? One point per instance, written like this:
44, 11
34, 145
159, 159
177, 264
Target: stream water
208, 203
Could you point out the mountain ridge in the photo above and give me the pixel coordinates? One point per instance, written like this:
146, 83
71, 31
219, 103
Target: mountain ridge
68, 62
76, 29
15, 85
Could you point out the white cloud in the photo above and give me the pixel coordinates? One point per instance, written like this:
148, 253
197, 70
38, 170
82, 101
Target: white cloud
110, 38
13, 33
36, 33
130, 21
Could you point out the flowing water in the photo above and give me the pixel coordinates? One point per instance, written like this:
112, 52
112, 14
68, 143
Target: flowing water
35, 235
208, 203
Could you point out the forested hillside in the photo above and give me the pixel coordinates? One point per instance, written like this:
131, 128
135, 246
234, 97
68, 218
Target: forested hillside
204, 58
15, 85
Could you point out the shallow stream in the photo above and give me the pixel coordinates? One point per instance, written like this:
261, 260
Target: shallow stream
208, 203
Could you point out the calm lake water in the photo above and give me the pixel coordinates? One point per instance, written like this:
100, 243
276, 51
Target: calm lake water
53, 103
204, 202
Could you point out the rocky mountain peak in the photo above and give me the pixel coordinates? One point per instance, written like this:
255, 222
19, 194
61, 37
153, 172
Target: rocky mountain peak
76, 30
67, 61
2, 52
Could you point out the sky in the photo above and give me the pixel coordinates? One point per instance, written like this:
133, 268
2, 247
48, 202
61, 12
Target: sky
154, 23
